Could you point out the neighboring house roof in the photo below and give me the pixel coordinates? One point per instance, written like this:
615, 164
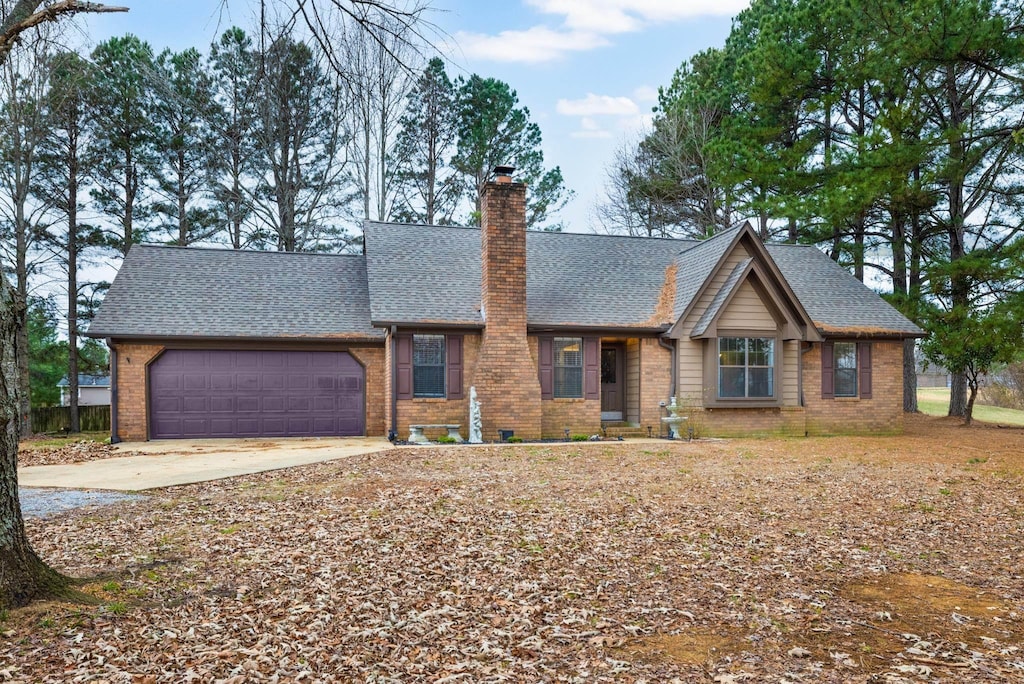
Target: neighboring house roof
87, 381
222, 293
838, 303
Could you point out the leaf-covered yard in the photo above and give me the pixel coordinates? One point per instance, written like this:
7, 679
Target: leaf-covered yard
882, 559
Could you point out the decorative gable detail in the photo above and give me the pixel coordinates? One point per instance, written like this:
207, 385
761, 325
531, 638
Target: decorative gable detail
751, 268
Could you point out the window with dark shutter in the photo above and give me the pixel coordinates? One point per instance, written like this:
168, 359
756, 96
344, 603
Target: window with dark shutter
403, 366
591, 368
454, 346
828, 380
568, 367
428, 361
546, 366
864, 358
844, 364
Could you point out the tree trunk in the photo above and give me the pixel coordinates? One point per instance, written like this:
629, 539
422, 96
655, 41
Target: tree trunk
23, 576
909, 377
74, 425
969, 410
958, 395
20, 334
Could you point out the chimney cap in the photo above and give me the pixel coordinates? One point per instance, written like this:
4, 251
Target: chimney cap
503, 173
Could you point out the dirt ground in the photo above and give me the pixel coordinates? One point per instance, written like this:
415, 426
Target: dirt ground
888, 559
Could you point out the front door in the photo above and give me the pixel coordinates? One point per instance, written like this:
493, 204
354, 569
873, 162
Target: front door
613, 394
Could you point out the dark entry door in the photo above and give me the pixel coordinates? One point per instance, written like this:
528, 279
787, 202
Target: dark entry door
222, 393
613, 390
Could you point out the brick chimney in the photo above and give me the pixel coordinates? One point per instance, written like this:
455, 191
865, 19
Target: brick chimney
506, 371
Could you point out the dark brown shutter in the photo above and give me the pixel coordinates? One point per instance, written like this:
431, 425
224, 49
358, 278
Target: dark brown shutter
403, 366
591, 368
864, 368
546, 366
828, 376
453, 345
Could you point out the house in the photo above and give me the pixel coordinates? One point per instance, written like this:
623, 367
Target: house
93, 390
555, 331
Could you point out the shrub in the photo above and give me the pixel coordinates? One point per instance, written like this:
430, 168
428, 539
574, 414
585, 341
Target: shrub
580, 438
515, 440
445, 439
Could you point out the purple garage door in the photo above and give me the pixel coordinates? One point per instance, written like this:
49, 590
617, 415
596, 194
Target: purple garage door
200, 393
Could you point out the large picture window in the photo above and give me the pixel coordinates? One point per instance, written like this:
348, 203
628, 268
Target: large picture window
746, 367
428, 356
846, 369
568, 367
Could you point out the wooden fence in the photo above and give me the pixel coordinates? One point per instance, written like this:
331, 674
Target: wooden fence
58, 418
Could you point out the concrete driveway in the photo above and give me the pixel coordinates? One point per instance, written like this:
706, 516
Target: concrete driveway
165, 463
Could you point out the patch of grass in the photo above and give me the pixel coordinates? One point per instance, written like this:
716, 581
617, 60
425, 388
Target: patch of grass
117, 608
934, 401
64, 440
111, 587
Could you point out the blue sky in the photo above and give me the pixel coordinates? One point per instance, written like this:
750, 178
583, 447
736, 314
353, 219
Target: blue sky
587, 69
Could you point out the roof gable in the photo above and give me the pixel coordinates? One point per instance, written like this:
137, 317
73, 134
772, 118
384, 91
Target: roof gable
774, 288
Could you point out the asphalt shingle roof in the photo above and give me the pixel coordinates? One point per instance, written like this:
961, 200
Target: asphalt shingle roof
185, 292
430, 274
835, 300
696, 263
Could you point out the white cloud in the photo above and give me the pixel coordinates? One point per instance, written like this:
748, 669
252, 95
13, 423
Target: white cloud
594, 105
620, 16
584, 26
645, 93
532, 46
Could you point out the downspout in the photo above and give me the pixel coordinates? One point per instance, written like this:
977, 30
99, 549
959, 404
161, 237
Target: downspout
800, 371
672, 350
114, 439
394, 383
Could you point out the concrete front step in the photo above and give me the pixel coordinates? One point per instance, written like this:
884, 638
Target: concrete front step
625, 431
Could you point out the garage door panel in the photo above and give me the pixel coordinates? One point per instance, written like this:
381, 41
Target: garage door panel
207, 393
195, 404
248, 404
222, 404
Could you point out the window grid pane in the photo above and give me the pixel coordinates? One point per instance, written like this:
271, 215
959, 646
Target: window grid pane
746, 367
428, 366
845, 363
568, 367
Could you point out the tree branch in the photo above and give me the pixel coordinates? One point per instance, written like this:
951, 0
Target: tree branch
26, 15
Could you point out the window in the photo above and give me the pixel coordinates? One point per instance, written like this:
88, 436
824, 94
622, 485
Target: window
746, 367
568, 367
428, 365
845, 355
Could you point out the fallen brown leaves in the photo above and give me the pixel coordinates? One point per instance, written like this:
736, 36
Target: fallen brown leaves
842, 560
72, 452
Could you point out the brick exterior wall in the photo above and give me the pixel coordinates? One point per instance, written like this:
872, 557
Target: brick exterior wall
746, 422
579, 416
883, 413
505, 375
132, 395
443, 411
373, 361
655, 382
132, 405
